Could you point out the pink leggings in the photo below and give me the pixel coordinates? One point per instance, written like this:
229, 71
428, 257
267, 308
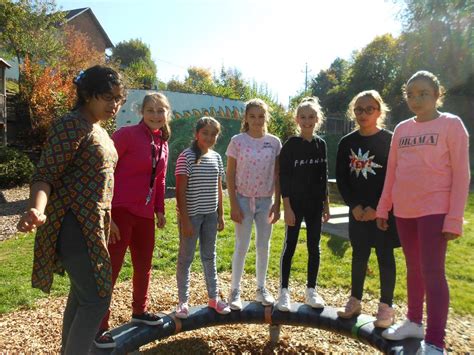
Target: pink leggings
424, 247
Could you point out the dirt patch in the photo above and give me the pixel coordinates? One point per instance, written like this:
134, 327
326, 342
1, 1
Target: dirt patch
39, 330
13, 202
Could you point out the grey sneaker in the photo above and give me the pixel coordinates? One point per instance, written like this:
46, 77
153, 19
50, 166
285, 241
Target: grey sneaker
234, 300
264, 297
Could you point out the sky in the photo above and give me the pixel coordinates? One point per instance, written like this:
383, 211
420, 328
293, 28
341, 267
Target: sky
271, 42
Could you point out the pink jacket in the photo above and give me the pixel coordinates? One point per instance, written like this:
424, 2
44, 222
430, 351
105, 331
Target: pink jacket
428, 171
133, 172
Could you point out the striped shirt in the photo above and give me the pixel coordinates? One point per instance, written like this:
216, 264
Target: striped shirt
202, 190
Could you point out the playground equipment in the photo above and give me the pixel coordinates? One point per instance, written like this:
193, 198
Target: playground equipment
129, 337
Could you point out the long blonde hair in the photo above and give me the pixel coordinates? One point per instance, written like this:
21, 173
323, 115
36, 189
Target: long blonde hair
157, 97
312, 102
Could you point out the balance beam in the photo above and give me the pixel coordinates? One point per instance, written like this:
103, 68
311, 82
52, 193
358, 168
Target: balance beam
130, 336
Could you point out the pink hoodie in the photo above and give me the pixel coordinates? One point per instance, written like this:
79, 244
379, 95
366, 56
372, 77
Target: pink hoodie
133, 172
428, 171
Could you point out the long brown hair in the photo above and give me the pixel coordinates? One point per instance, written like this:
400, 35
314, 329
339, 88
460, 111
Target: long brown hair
200, 124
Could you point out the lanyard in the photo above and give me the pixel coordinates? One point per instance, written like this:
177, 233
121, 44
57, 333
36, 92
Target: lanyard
154, 165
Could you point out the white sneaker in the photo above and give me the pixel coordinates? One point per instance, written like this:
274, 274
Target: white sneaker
404, 330
429, 349
264, 297
284, 302
234, 300
313, 299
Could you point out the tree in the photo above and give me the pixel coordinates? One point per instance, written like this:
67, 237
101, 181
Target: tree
134, 57
375, 66
330, 86
30, 28
439, 36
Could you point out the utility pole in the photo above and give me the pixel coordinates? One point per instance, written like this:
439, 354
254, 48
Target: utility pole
306, 71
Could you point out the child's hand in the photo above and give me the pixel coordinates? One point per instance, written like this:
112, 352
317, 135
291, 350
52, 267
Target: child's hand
382, 223
220, 223
274, 214
160, 220
326, 213
30, 220
369, 214
114, 236
358, 213
290, 218
186, 228
236, 214
450, 236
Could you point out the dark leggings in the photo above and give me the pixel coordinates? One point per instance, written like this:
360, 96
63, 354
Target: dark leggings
362, 235
84, 308
311, 212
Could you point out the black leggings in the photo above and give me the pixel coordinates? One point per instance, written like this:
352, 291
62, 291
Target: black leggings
311, 212
364, 236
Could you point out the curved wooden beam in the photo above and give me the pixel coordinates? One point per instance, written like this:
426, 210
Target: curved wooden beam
130, 336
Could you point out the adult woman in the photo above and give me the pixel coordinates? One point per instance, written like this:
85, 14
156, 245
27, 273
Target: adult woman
70, 201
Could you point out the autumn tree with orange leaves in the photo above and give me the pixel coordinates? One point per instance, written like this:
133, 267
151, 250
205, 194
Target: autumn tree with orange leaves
48, 90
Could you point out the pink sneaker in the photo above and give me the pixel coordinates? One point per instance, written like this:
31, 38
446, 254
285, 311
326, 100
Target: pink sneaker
352, 309
182, 310
219, 306
385, 316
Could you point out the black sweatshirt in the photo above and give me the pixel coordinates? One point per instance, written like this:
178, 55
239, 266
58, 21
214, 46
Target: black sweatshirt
361, 166
303, 169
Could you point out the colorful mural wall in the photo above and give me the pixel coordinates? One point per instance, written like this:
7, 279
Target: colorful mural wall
187, 108
183, 105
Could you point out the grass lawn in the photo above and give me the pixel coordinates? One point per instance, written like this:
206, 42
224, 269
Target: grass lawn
16, 259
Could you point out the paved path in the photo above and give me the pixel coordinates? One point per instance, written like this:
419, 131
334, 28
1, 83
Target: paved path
338, 224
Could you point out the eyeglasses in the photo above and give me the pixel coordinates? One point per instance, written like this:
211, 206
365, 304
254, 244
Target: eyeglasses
119, 100
368, 110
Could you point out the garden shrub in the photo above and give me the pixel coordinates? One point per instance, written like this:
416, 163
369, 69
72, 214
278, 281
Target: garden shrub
15, 168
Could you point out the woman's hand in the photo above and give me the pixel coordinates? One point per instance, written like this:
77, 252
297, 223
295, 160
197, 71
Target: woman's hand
382, 224
31, 219
220, 223
114, 233
236, 214
160, 220
274, 214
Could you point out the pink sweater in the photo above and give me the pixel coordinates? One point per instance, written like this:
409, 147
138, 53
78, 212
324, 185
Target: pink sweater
428, 171
133, 172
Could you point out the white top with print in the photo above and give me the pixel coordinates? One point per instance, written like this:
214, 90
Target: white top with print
255, 163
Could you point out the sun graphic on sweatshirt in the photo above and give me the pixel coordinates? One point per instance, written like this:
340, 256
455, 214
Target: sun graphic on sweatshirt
362, 163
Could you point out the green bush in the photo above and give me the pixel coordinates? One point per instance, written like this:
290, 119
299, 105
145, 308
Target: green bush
15, 168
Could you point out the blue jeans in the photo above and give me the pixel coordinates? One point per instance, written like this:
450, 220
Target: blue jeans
205, 229
243, 233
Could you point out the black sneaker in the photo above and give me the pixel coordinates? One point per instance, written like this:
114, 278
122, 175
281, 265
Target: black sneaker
147, 318
104, 340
